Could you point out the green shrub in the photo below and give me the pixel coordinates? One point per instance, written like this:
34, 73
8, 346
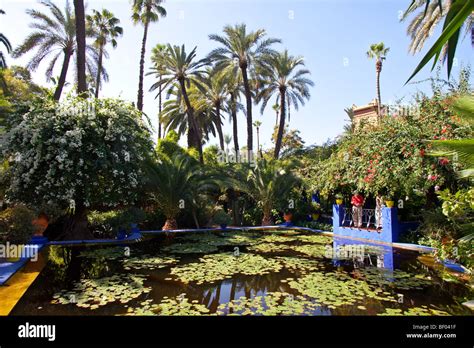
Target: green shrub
16, 224
443, 234
107, 224
221, 218
252, 216
154, 220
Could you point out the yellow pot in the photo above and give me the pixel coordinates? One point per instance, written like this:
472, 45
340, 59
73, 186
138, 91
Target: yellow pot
389, 204
315, 216
339, 201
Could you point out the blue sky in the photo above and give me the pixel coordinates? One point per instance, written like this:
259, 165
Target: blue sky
332, 35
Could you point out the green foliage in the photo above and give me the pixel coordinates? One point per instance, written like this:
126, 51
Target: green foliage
291, 142
107, 224
459, 11
270, 184
459, 205
147, 11
460, 149
444, 234
16, 224
17, 93
177, 182
221, 217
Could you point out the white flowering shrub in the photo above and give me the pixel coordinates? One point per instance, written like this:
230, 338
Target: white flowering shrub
77, 152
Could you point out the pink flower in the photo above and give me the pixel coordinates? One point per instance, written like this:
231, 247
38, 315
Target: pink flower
443, 161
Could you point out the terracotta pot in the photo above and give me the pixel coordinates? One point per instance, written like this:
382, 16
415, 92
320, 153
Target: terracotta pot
288, 217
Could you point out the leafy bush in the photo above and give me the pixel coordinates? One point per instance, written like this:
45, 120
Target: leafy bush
252, 216
221, 217
16, 224
442, 234
107, 224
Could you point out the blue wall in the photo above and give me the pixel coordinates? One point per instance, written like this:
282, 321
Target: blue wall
389, 233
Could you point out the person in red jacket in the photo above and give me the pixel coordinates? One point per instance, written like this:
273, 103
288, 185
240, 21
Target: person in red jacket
357, 202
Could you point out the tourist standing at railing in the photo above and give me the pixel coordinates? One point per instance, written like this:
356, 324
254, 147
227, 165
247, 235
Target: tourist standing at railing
357, 202
378, 211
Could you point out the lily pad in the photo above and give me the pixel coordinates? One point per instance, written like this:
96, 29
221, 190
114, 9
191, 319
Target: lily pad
220, 266
179, 305
94, 293
148, 262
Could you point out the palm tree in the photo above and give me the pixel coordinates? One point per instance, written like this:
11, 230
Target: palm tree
276, 108
55, 36
257, 125
174, 115
379, 53
280, 75
8, 46
145, 12
458, 13
246, 48
215, 92
424, 23
349, 128
234, 89
268, 183
178, 69
176, 180
105, 29
157, 51
81, 46
227, 140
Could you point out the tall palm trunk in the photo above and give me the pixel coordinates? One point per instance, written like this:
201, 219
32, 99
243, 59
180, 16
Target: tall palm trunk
99, 71
142, 68
191, 136
267, 220
81, 47
258, 140
219, 126
62, 76
248, 97
281, 127
160, 107
234, 123
378, 68
76, 226
192, 120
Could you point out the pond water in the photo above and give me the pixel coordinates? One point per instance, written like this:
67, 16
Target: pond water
243, 273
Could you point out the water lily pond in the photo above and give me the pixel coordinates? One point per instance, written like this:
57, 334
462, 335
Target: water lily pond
242, 273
